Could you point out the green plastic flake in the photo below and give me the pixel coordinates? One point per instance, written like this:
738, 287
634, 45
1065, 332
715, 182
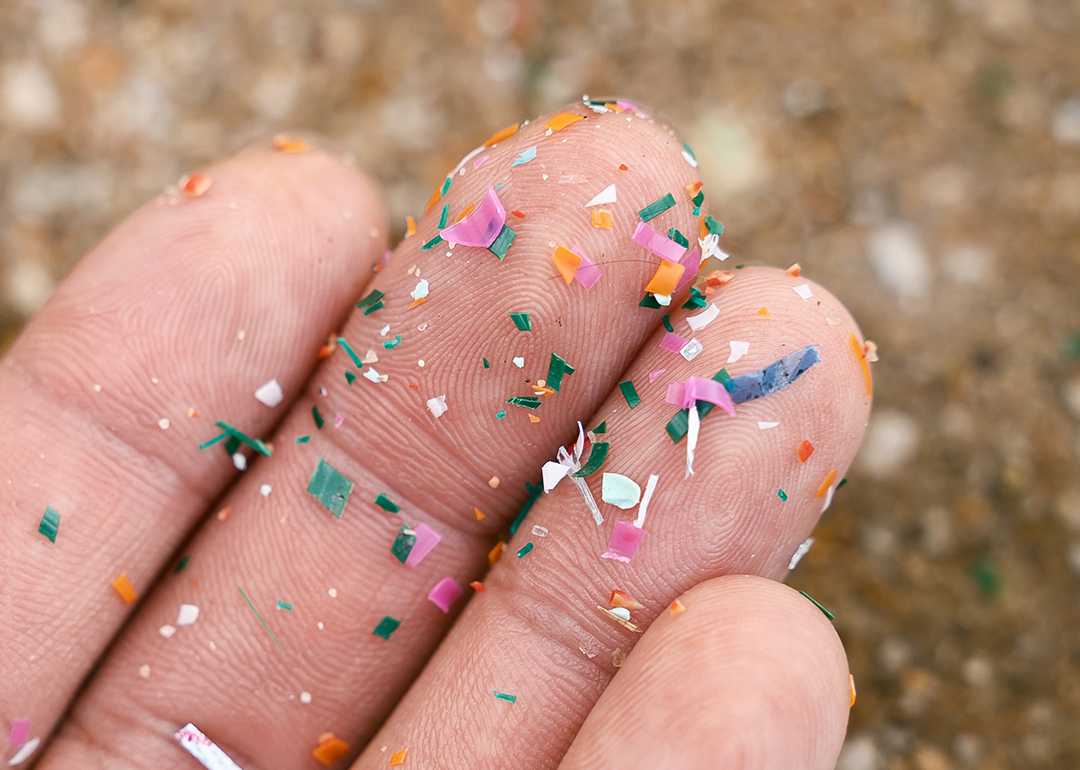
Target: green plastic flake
698, 199
373, 308
352, 353
842, 482
391, 344
284, 606
303, 439
432, 243
215, 440
529, 402
350, 377
596, 458
372, 298
657, 207
260, 617
330, 487
180, 565
502, 242
688, 151
444, 216
386, 627
50, 523
630, 393
486, 364
387, 504
713, 226
601, 428
649, 301
556, 369
232, 446
678, 237
679, 424
525, 549
446, 187
782, 495
667, 323
403, 544
499, 186
254, 443
500, 414
697, 300
522, 321
817, 604
319, 421
534, 494
504, 696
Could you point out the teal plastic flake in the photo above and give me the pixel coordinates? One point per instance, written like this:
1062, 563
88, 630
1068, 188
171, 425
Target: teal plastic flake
504, 696
817, 604
386, 627
529, 402
233, 438
330, 487
350, 377
696, 302
714, 226
372, 298
352, 353
601, 428
678, 237
500, 414
502, 242
649, 301
782, 495
667, 323
387, 504
432, 243
284, 606
403, 543
698, 199
181, 565
391, 344
445, 215
373, 308
303, 439
630, 393
657, 207
534, 491
525, 549
319, 421
446, 186
556, 369
522, 321
50, 523
486, 364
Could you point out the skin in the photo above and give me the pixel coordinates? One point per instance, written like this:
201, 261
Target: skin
750, 667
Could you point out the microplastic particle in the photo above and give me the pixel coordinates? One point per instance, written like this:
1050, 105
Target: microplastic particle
556, 369
529, 402
398, 757
181, 565
502, 133
305, 697
303, 439
567, 263
124, 588
617, 617
800, 552
504, 696
269, 393
518, 361
426, 541
501, 244
319, 421
444, 593
500, 414
657, 243
350, 377
208, 753
403, 543
678, 237
20, 731
437, 406
805, 450
391, 344
630, 393
703, 319
817, 604
688, 156
601, 428
521, 321
265, 490
444, 216
738, 350
607, 195
803, 290
657, 207
386, 503
826, 484
373, 298
782, 495
257, 615
330, 487
539, 531
426, 247
602, 218
330, 749
50, 523
766, 425
386, 627
187, 615
525, 549
596, 459
524, 157
486, 364
562, 120
167, 631
534, 490
281, 605
620, 491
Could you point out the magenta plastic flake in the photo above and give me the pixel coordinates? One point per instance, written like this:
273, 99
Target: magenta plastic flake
672, 342
691, 263
444, 593
658, 244
20, 731
684, 395
481, 227
587, 273
624, 542
426, 540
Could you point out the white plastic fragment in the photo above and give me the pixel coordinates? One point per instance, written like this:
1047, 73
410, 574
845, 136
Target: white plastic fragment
163, 423
620, 491
187, 615
144, 670
420, 290
239, 461
622, 612
738, 350
269, 393
766, 425
24, 753
693, 426
691, 349
437, 406
374, 376
650, 487
801, 551
203, 749
539, 531
519, 362
586, 494
703, 319
710, 247
265, 490
663, 300
305, 697
607, 195
553, 473
828, 498
803, 290
689, 158
167, 631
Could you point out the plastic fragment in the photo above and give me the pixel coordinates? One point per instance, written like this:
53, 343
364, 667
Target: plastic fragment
782, 495
697, 389
50, 523
817, 604
486, 364
493, 482
426, 541
602, 218
587, 273
856, 348
617, 617
387, 626
208, 753
805, 450
607, 195
657, 207
330, 749
524, 157
553, 473
738, 350
534, 491
567, 263
562, 120
676, 607
666, 278
504, 696
643, 508
851, 682
620, 491
479, 514
330, 487
481, 227
623, 599
319, 421
391, 344
693, 431
302, 439
124, 588
556, 369
398, 757
803, 290
373, 376
374, 297
596, 459
502, 242
826, 484
703, 319
673, 342
444, 593
428, 246
357, 362
800, 552
195, 184
288, 144
283, 605
496, 553
747, 387
477, 586
20, 731
502, 133
688, 156
187, 615
386, 503
437, 406
658, 243
269, 393
500, 414
674, 234
525, 550
630, 393
350, 377
257, 615
529, 402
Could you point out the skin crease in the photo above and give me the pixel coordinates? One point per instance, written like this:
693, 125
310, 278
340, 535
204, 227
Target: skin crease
226, 674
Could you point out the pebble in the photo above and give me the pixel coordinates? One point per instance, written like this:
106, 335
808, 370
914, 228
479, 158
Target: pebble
30, 99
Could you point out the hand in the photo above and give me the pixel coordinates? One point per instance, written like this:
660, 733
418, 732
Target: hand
172, 323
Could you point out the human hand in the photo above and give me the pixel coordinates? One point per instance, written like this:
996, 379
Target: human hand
197, 300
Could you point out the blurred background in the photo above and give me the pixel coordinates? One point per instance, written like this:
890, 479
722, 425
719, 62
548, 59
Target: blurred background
922, 159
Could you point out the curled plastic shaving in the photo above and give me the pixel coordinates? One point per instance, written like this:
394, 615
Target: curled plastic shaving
685, 395
482, 226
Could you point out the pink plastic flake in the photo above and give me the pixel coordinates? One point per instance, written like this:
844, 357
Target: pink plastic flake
658, 244
625, 105
479, 161
482, 226
20, 731
672, 342
624, 542
691, 261
587, 273
444, 593
426, 540
699, 389
654, 375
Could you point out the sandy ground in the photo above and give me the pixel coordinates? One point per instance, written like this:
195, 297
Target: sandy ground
922, 159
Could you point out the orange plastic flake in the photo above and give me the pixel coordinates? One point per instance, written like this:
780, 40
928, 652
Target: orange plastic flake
479, 514
533, 418
224, 513
195, 184
764, 312
414, 386
328, 349
623, 599
623, 167
410, 226
124, 588
435, 196
398, 757
493, 482
464, 213
496, 552
518, 214
567, 262
795, 270
477, 586
856, 348
562, 120
416, 302
826, 484
666, 278
693, 189
502, 133
283, 143
330, 749
677, 607
719, 277
805, 450
191, 412
703, 229
602, 218
851, 680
